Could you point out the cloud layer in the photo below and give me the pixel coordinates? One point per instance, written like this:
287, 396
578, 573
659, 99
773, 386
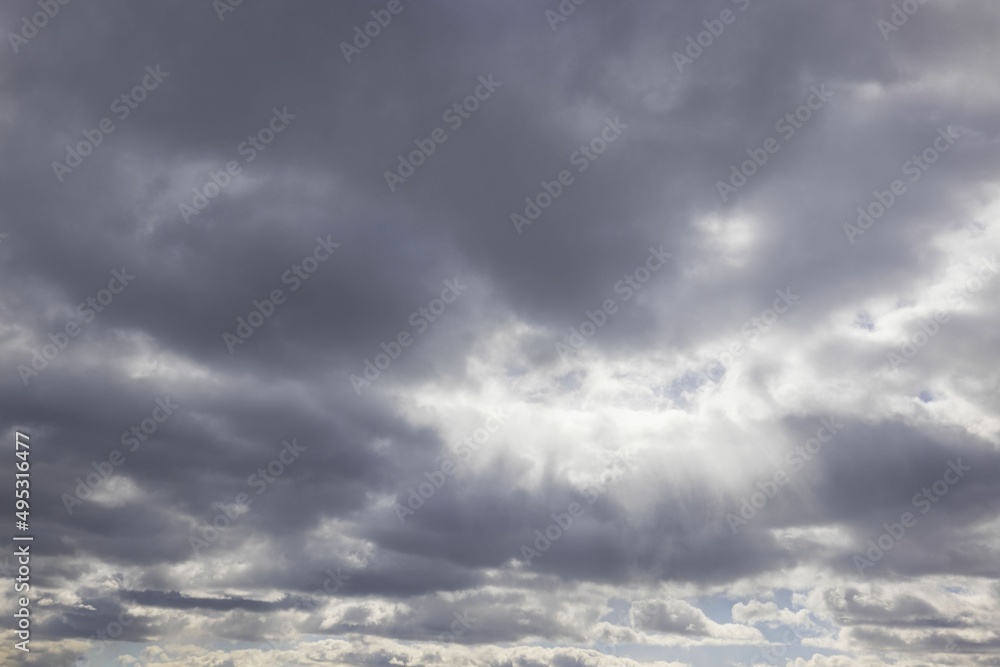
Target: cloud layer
504, 333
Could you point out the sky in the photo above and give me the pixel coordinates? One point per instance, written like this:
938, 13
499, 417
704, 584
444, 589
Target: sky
505, 334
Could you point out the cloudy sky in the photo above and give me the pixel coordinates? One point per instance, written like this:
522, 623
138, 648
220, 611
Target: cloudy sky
503, 333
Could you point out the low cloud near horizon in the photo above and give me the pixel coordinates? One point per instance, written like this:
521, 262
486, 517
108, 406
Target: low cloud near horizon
496, 333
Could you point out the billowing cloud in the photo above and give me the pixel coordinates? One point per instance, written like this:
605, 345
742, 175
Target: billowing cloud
504, 333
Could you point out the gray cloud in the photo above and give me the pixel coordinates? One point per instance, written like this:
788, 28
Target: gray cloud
694, 375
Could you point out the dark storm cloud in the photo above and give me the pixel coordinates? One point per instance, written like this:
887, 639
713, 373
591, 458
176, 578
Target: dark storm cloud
321, 183
174, 600
906, 610
97, 614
